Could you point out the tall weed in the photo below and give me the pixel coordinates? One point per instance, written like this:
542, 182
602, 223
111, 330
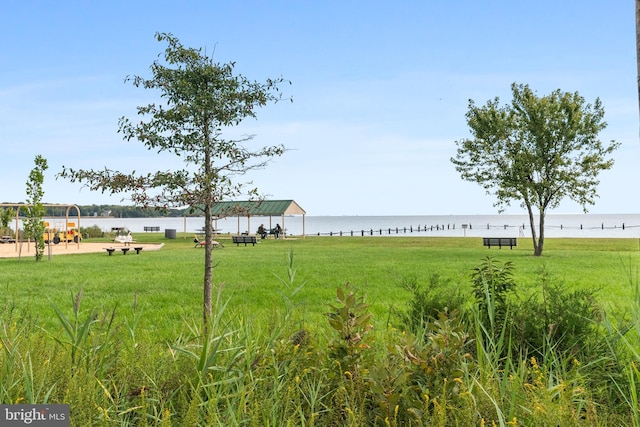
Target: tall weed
95, 348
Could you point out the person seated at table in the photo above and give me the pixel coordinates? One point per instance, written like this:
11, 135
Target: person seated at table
277, 231
262, 231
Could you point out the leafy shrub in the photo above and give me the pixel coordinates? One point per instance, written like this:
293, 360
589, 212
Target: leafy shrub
410, 380
91, 232
434, 367
561, 320
351, 320
427, 303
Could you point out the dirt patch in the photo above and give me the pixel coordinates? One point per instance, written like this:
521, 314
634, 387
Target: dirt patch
26, 249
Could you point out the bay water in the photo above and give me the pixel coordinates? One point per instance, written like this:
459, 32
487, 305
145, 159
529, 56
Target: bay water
556, 225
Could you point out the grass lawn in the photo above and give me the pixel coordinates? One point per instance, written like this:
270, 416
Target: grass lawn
167, 284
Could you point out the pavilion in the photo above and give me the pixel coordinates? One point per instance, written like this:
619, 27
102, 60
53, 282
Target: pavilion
260, 208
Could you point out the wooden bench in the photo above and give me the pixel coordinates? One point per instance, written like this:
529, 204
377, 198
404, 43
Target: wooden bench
244, 239
500, 242
151, 228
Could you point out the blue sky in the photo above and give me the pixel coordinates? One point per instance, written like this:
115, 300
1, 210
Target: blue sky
380, 91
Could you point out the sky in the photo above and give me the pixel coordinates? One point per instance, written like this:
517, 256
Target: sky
380, 90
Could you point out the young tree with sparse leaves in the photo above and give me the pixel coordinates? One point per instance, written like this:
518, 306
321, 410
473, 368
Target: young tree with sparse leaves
199, 99
33, 225
539, 150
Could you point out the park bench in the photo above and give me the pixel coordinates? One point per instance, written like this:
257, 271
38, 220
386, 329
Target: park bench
500, 242
151, 228
124, 250
244, 239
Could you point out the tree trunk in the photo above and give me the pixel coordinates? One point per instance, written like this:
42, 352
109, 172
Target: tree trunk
532, 225
540, 246
538, 239
207, 308
208, 266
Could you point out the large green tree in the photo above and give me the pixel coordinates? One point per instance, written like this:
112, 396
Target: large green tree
199, 99
538, 150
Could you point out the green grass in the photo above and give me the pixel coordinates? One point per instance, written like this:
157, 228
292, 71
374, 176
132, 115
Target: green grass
132, 350
167, 284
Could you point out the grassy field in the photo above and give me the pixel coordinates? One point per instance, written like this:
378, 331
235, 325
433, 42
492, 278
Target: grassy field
119, 338
167, 285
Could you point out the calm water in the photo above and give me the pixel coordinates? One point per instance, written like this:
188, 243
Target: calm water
557, 225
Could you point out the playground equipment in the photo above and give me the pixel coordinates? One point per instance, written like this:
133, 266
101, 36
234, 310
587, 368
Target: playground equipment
58, 233
68, 235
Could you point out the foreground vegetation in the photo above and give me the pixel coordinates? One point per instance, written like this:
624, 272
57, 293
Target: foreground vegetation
329, 331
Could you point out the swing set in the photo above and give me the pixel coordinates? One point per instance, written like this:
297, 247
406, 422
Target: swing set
66, 231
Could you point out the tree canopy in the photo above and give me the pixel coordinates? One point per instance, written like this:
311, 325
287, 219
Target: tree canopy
200, 98
538, 150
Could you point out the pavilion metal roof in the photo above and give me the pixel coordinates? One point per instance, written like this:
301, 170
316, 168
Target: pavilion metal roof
257, 208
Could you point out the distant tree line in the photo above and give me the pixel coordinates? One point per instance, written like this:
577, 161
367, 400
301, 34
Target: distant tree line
123, 211
115, 211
